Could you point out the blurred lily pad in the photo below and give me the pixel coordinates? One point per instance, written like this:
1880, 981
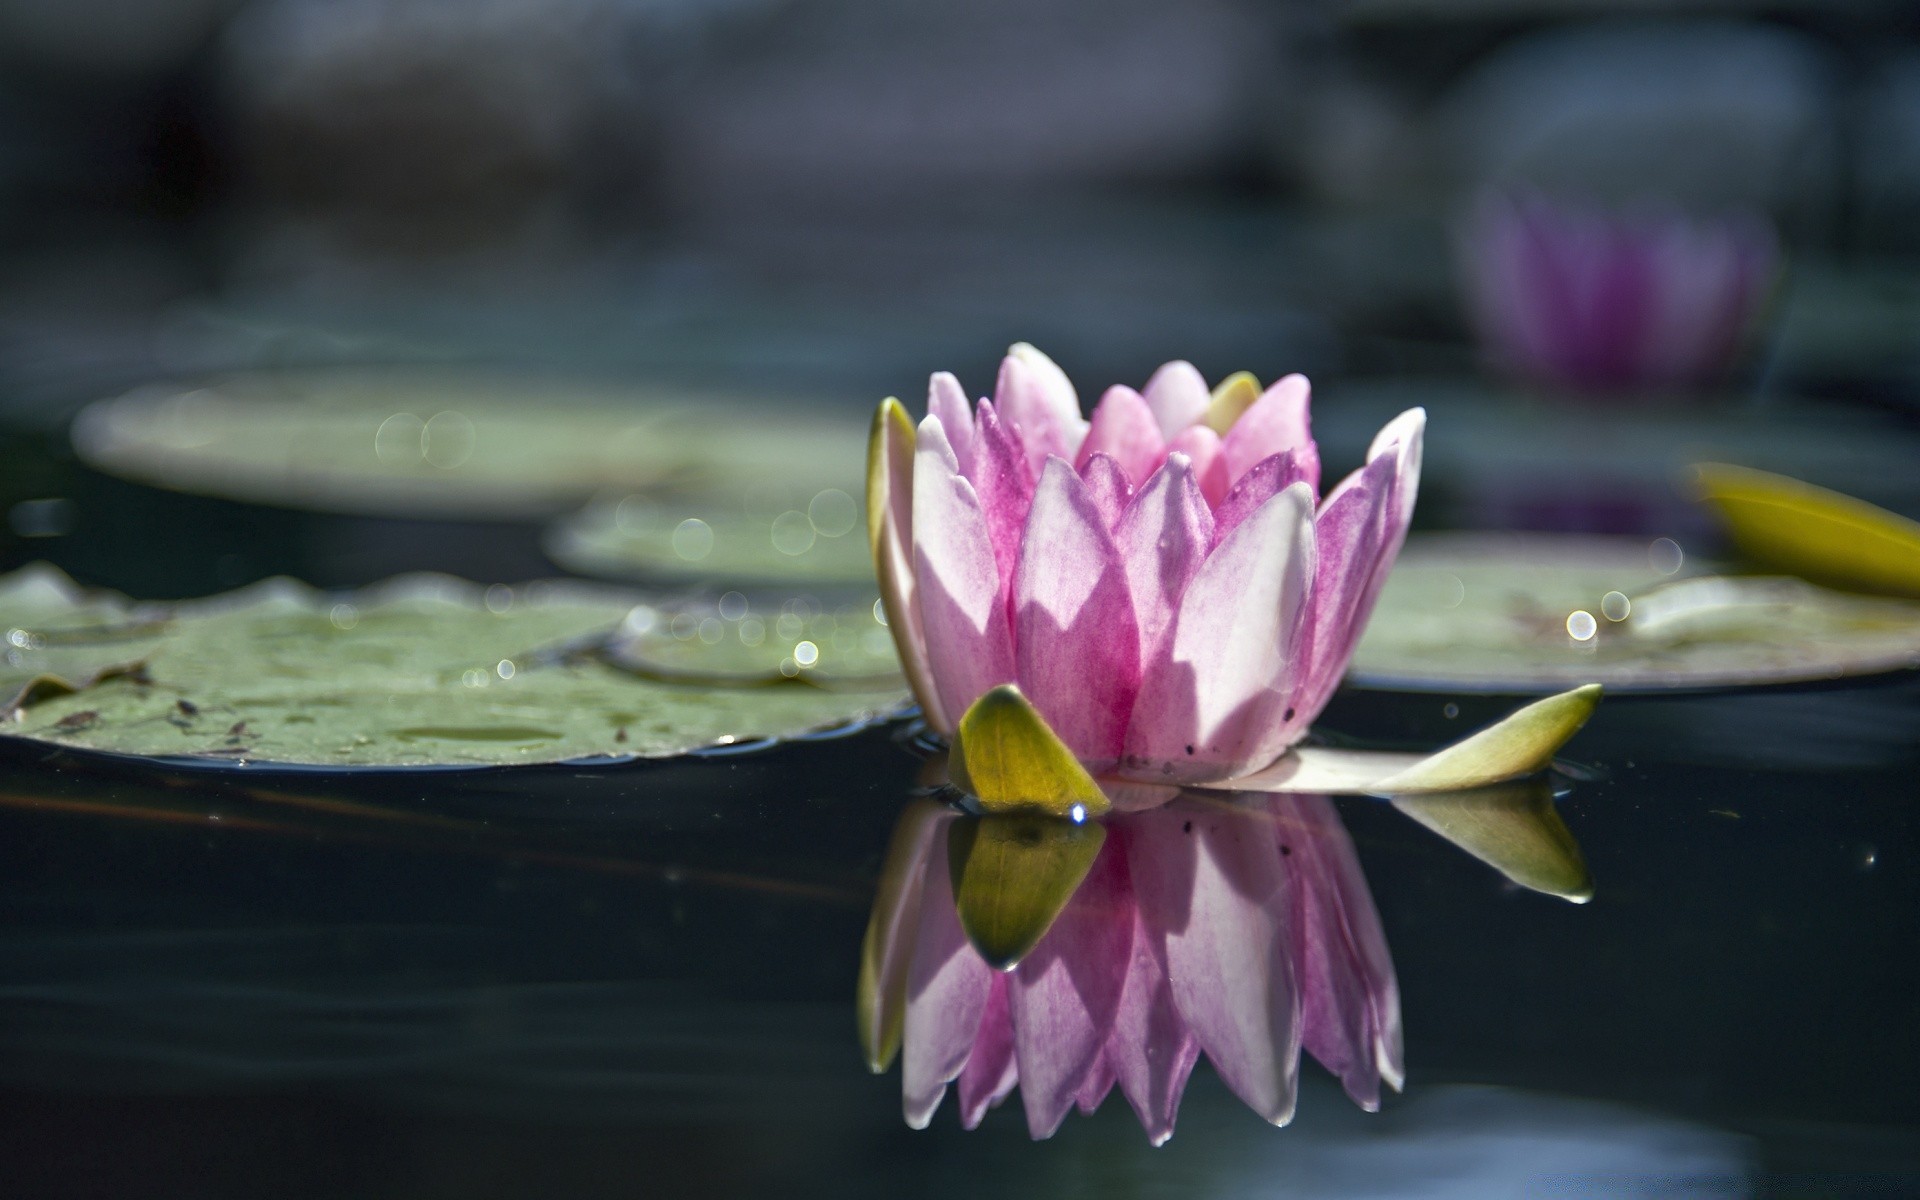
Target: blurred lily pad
1522, 614
753, 641
432, 442
421, 670
768, 533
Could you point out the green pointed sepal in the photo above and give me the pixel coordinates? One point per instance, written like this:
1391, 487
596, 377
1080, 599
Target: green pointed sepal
1522, 744
1814, 533
1013, 874
1513, 828
1005, 755
1515, 747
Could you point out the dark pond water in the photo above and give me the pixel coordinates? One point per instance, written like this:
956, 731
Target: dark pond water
639, 981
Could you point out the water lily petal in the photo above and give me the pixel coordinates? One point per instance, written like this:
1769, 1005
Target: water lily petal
1258, 484
1151, 1051
1230, 964
991, 1071
890, 456
1178, 396
1076, 644
1124, 427
947, 989
1201, 445
1214, 704
1037, 398
1108, 486
1277, 422
948, 401
1163, 538
1347, 533
1004, 482
1349, 999
957, 580
1065, 993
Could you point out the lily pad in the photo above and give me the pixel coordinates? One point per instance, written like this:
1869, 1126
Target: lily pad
1524, 614
418, 671
765, 534
429, 442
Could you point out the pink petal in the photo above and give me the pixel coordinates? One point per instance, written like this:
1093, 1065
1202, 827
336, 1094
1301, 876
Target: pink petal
1260, 483
1065, 993
1276, 423
962, 607
1349, 999
1229, 963
1347, 534
1213, 705
990, 1073
1365, 520
1178, 396
1038, 401
1099, 1082
947, 988
1124, 427
1004, 482
1151, 1052
1107, 484
1163, 538
1201, 445
1076, 646
946, 400
1403, 438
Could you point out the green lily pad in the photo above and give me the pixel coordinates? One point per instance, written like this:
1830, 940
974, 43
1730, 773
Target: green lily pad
1524, 614
418, 671
768, 534
747, 641
433, 442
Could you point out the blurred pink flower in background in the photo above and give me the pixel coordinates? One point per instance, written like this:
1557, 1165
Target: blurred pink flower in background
1581, 298
1244, 932
1163, 582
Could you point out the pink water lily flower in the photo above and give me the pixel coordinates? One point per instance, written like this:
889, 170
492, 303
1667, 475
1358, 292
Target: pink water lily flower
1240, 931
1164, 582
1579, 297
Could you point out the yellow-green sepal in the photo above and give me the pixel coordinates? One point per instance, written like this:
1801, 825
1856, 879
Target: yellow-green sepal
1013, 874
1513, 828
890, 446
1232, 397
880, 1005
1522, 744
1812, 532
1006, 755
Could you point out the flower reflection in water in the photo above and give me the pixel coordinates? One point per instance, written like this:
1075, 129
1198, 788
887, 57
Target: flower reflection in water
1241, 929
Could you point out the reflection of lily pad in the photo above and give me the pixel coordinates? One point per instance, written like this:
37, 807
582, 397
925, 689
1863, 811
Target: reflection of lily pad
422, 670
764, 534
437, 443
1521, 614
